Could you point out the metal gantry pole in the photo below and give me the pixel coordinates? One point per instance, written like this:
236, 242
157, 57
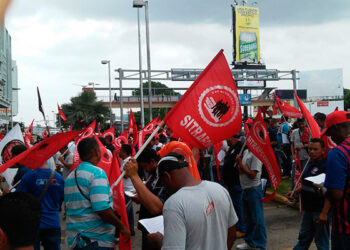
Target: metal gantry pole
148, 62
110, 94
140, 68
294, 76
121, 99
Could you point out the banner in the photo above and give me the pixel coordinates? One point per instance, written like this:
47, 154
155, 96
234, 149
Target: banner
313, 126
28, 135
287, 109
258, 142
209, 111
247, 36
60, 112
185, 151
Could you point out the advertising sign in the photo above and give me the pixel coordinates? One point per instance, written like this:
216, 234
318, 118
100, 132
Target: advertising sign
247, 36
323, 104
250, 84
245, 99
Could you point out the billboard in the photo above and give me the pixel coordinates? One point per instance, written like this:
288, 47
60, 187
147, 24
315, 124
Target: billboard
322, 84
246, 32
251, 84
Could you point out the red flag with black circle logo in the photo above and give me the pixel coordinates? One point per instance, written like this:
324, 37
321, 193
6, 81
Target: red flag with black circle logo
209, 111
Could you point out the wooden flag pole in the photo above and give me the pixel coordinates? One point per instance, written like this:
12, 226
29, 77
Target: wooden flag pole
141, 149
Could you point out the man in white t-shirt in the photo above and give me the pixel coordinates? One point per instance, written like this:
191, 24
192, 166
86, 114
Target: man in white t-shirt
66, 161
199, 214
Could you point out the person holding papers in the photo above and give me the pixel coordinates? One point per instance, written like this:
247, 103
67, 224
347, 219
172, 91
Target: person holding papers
315, 219
198, 214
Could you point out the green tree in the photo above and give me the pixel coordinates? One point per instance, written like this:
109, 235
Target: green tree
82, 110
346, 99
158, 89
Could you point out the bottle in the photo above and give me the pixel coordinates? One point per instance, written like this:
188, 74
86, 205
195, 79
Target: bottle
248, 47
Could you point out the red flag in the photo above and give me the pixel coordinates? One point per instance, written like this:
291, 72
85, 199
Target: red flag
105, 162
328, 144
46, 133
87, 132
209, 111
132, 130
38, 154
217, 148
287, 109
314, 128
110, 131
28, 135
258, 143
119, 203
146, 131
60, 112
2, 135
185, 151
122, 139
71, 127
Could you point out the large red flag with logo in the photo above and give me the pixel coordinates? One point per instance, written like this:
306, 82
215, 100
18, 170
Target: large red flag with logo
38, 154
146, 131
132, 130
259, 144
28, 135
119, 203
209, 111
286, 109
60, 112
314, 128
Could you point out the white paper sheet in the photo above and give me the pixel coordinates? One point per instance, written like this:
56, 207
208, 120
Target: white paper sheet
318, 179
221, 155
153, 225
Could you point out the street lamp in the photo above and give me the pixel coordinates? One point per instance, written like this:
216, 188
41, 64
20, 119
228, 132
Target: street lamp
140, 4
110, 90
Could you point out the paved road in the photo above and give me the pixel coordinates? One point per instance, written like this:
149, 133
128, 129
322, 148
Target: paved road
282, 224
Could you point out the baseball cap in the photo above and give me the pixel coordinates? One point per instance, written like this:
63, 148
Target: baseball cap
334, 118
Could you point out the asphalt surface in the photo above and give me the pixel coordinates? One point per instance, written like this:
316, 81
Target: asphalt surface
282, 225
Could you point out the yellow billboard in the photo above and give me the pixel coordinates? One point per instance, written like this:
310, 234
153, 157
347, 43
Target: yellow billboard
247, 36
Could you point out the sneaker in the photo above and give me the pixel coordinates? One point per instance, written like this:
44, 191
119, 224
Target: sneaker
245, 246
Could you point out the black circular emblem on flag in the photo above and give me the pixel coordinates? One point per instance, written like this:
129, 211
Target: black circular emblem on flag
6, 151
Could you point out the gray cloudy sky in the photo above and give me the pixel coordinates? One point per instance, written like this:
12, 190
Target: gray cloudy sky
58, 43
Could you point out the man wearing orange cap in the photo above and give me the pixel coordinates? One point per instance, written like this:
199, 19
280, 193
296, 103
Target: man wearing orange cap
338, 177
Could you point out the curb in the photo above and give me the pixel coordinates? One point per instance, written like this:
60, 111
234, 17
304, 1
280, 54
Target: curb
283, 200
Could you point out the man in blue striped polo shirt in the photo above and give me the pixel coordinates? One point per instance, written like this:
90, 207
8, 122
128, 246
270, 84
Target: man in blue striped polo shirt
88, 199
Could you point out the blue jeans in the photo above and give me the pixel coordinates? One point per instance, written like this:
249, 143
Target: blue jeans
50, 239
340, 241
254, 217
236, 194
309, 230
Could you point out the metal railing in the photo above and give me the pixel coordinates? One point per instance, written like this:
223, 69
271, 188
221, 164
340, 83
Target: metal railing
165, 98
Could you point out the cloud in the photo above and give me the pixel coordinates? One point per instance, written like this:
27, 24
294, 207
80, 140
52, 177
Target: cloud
273, 13
57, 45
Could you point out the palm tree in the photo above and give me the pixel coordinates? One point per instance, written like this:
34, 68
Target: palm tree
84, 109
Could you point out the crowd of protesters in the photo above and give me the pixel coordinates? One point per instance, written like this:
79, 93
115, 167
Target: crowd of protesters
209, 213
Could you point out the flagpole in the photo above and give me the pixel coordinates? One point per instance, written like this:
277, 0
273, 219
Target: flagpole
302, 172
241, 151
141, 149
